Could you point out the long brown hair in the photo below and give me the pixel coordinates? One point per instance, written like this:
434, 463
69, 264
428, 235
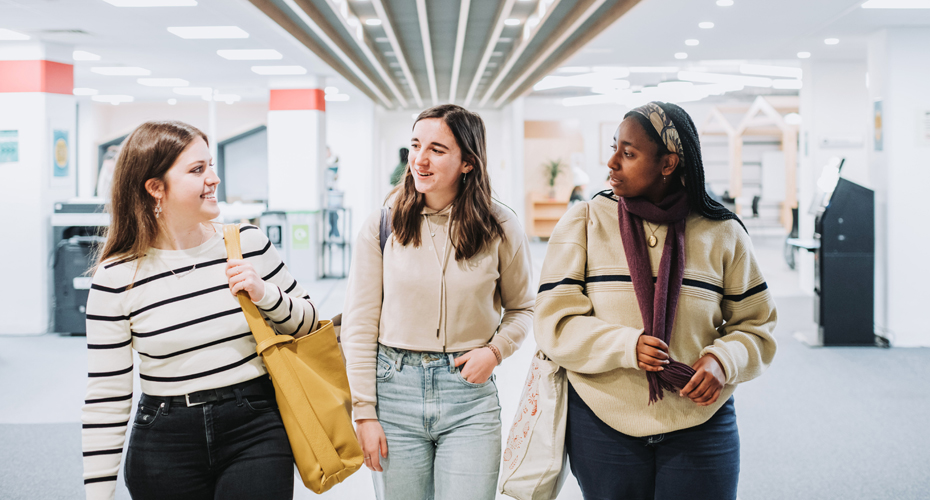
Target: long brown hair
473, 225
147, 153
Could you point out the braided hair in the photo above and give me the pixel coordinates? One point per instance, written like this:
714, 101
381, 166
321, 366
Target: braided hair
691, 167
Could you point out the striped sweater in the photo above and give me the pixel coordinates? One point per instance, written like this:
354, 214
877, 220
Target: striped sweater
187, 328
588, 320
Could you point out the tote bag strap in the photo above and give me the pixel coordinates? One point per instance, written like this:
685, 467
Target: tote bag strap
260, 330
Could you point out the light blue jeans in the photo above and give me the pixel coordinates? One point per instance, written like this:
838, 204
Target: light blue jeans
443, 432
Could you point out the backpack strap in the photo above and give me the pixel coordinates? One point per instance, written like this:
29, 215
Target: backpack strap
386, 228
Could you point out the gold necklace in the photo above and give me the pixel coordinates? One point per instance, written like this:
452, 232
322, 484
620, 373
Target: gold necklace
203, 238
652, 241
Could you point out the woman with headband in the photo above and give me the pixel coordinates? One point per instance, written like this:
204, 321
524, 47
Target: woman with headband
652, 301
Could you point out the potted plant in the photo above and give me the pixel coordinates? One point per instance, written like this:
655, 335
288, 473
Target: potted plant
552, 169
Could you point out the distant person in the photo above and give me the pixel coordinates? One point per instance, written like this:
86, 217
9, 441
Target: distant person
652, 301
401, 169
580, 179
206, 425
428, 320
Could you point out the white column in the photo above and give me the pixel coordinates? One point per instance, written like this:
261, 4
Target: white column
834, 112
36, 101
899, 67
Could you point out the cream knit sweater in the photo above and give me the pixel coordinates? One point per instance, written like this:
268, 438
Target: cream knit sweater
588, 321
422, 299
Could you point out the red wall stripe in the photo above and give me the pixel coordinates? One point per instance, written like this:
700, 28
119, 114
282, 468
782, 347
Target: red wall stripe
36, 76
297, 99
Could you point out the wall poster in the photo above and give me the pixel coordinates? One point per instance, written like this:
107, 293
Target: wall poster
60, 153
9, 146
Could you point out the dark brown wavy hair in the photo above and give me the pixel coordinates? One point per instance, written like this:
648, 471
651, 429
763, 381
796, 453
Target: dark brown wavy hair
147, 153
473, 225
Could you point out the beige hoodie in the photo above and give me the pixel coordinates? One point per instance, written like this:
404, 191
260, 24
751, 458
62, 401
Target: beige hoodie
422, 299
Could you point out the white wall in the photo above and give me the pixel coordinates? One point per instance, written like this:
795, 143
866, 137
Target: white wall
350, 129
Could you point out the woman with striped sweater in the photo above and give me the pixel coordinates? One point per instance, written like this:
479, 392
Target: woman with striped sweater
206, 425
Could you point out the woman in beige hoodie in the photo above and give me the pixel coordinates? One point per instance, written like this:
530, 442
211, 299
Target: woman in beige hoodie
422, 324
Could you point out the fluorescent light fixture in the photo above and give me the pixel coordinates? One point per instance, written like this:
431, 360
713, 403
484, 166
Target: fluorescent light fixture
201, 91
208, 32
227, 98
504, 40
831, 41
152, 3
120, 71
574, 69
748, 81
331, 90
512, 22
6, 34
793, 119
373, 22
724, 3
706, 25
681, 55
897, 4
84, 91
383, 39
496, 54
172, 101
336, 97
691, 42
653, 69
279, 70
249, 54
112, 99
163, 82
761, 70
390, 53
598, 79
80, 55
786, 84
804, 55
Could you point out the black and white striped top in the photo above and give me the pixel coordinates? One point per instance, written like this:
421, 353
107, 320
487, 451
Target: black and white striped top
188, 329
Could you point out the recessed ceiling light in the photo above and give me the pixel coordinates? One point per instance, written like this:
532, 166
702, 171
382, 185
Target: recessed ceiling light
6, 34
382, 39
172, 101
336, 97
208, 32
804, 55
373, 22
394, 64
691, 42
163, 82
120, 71
496, 54
249, 54
724, 3
831, 41
112, 99
706, 25
201, 91
279, 70
152, 3
513, 22
389, 53
80, 55
504, 40
681, 55
702, 77
896, 4
84, 91
331, 90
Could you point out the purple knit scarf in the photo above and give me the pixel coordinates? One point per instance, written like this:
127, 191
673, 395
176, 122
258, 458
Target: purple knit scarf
657, 301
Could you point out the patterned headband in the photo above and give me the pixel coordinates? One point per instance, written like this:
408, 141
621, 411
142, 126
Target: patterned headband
663, 125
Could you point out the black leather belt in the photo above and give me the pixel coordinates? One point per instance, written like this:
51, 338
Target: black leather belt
256, 387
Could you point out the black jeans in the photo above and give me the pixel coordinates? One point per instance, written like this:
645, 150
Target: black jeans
697, 463
233, 449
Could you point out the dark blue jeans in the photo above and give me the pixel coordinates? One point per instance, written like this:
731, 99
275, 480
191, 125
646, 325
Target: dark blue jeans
233, 449
697, 463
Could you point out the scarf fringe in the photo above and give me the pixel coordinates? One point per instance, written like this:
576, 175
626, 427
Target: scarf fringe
674, 377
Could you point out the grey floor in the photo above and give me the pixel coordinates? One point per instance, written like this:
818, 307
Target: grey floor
822, 423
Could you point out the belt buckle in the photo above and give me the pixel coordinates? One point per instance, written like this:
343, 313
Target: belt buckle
187, 399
